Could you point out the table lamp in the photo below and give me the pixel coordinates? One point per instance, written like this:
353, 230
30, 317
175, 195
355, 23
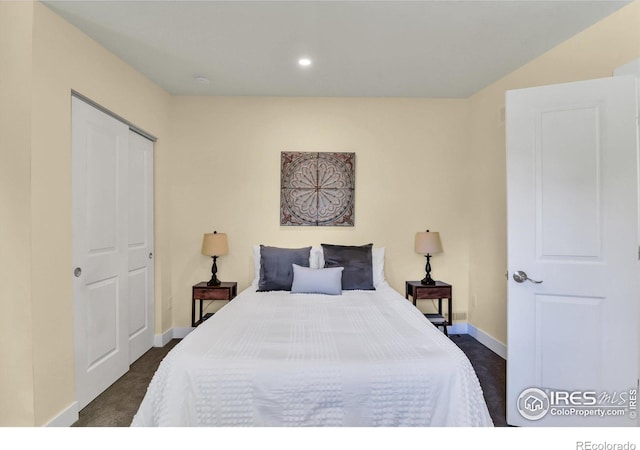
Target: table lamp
214, 245
428, 243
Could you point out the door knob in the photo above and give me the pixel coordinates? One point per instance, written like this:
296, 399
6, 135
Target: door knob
521, 277
150, 255
77, 272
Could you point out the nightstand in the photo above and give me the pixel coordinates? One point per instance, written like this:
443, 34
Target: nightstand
226, 290
440, 290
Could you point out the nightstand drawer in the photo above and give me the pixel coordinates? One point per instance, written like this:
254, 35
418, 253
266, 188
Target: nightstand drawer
431, 292
212, 294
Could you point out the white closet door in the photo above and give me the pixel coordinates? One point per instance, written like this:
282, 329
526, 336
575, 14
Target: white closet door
140, 244
100, 251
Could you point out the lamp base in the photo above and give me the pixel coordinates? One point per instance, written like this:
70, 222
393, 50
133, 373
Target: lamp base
428, 281
214, 270
213, 282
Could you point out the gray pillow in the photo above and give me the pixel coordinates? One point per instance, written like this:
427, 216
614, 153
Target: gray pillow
276, 271
357, 263
317, 281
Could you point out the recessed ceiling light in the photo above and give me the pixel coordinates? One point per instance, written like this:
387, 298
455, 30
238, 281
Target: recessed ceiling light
201, 79
304, 62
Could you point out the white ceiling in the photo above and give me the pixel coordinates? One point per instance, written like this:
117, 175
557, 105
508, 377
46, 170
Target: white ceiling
359, 48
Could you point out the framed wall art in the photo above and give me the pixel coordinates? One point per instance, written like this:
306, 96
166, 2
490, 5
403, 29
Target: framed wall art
317, 189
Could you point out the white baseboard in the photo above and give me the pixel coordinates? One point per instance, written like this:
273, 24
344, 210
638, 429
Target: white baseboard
485, 339
458, 328
181, 332
66, 418
488, 341
160, 340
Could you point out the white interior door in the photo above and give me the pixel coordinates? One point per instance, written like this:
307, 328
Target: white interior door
572, 179
140, 244
100, 250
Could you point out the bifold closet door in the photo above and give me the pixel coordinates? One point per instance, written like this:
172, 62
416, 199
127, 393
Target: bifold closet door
113, 281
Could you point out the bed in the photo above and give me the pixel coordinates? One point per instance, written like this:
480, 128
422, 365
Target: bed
281, 358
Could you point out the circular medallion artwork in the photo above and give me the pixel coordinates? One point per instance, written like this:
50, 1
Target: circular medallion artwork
317, 189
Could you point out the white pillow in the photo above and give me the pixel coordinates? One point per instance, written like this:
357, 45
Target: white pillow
317, 281
314, 258
377, 260
377, 263
256, 265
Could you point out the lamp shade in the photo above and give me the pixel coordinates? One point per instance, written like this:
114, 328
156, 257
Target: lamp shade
215, 244
428, 242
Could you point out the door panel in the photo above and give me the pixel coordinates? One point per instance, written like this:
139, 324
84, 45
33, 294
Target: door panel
567, 136
557, 342
99, 184
101, 320
138, 319
572, 206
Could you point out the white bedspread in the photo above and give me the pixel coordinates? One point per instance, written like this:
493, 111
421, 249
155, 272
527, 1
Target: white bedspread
366, 358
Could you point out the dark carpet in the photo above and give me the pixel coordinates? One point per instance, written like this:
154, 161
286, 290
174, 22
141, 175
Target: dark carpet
116, 406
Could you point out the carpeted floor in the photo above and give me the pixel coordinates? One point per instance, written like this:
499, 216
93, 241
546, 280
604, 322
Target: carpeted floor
492, 373
116, 406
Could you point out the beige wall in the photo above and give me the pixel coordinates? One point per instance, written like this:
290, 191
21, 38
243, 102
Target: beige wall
16, 343
63, 59
420, 163
411, 174
594, 53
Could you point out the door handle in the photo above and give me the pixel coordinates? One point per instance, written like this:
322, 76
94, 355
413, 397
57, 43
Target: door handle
77, 272
521, 277
150, 255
